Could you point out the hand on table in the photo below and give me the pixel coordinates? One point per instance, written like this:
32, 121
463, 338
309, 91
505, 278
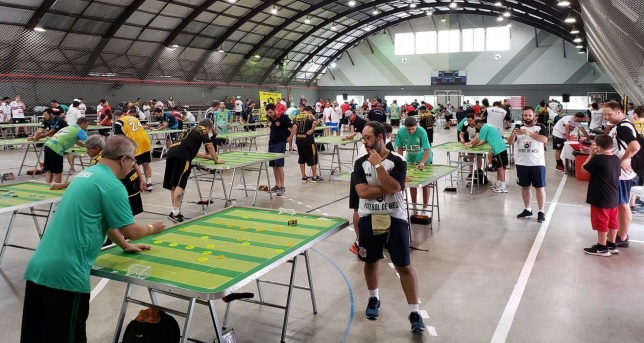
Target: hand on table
220, 161
136, 247
420, 166
407, 179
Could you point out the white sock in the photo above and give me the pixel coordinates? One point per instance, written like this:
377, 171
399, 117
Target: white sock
374, 293
175, 211
497, 183
528, 209
414, 307
148, 179
503, 185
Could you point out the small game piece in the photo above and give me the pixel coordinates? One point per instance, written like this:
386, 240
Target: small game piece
290, 245
210, 246
202, 259
221, 257
190, 247
279, 251
259, 229
207, 252
173, 244
231, 225
204, 237
158, 241
246, 243
292, 223
246, 217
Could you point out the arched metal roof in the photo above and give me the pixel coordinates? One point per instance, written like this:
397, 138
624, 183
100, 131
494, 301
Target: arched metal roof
228, 41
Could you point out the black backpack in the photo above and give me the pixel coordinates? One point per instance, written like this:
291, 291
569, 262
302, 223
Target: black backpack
637, 161
165, 331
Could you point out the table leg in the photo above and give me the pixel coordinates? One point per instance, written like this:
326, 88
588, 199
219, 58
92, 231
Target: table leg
310, 277
288, 299
336, 148
6, 236
36, 223
119, 323
215, 320
230, 190
268, 179
243, 180
435, 196
24, 157
186, 325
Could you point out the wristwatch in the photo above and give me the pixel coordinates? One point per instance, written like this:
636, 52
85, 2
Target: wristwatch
377, 166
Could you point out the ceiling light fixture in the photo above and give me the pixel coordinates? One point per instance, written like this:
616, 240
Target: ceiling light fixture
232, 1
498, 3
221, 50
579, 46
274, 10
367, 28
412, 5
333, 27
375, 11
577, 40
574, 30
570, 19
258, 56
307, 20
352, 3
39, 29
507, 14
443, 19
563, 3
500, 18
430, 12
175, 45
452, 4
582, 51
333, 65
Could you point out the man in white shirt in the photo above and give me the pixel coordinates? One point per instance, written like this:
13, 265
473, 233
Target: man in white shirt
561, 133
99, 108
529, 142
18, 109
336, 116
327, 116
5, 114
318, 106
81, 107
596, 118
72, 116
239, 107
495, 116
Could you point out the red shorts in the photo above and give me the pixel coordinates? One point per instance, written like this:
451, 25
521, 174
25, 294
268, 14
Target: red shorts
603, 219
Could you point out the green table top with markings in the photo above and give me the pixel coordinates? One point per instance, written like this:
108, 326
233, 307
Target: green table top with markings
159, 132
242, 135
459, 147
213, 255
336, 140
419, 178
8, 126
23, 195
237, 159
19, 141
324, 127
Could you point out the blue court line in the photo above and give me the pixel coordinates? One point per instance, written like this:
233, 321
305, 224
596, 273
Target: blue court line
346, 330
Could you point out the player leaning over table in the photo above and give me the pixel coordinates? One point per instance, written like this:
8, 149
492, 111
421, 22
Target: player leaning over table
56, 146
489, 134
379, 179
56, 304
51, 123
413, 139
178, 162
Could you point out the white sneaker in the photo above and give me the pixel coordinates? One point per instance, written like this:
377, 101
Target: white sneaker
72, 171
494, 186
500, 190
150, 186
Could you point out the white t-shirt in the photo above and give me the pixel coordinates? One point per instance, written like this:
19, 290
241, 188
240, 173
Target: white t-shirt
328, 113
17, 109
5, 112
629, 114
596, 119
528, 151
392, 205
495, 117
72, 116
189, 117
159, 104
559, 130
318, 107
336, 115
239, 105
628, 129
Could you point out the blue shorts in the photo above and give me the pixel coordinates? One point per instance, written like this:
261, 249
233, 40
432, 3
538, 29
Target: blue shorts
334, 127
277, 148
534, 176
396, 242
625, 191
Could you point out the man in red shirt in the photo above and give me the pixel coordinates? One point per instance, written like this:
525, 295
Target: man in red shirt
476, 108
345, 107
280, 108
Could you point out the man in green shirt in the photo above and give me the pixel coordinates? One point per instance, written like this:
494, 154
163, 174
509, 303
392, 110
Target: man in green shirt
57, 144
489, 134
413, 139
394, 117
58, 274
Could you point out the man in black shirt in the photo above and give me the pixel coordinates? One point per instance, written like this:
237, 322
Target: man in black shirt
357, 125
305, 123
377, 114
178, 162
51, 124
282, 132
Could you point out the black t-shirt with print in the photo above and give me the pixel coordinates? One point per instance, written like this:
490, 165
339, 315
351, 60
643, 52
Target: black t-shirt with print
188, 143
56, 123
377, 114
279, 129
358, 123
603, 187
304, 122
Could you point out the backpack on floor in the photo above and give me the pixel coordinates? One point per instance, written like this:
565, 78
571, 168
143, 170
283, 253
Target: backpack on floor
152, 326
480, 177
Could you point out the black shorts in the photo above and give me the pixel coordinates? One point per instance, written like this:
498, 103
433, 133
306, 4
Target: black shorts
53, 162
396, 242
277, 148
500, 159
430, 135
354, 199
395, 122
136, 204
307, 151
18, 120
53, 315
558, 143
344, 121
145, 157
534, 176
177, 172
238, 114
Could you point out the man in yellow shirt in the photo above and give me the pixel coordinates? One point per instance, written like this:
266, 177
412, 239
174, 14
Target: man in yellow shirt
128, 125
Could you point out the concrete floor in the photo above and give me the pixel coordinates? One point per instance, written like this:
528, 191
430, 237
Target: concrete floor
466, 278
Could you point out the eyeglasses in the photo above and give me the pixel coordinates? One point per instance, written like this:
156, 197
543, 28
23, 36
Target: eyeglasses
130, 158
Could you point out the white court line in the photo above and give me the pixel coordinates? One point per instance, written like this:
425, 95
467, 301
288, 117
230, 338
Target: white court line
507, 318
634, 241
98, 289
424, 314
431, 331
391, 265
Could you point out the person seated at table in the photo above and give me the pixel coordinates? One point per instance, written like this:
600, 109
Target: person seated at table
356, 124
51, 124
489, 134
561, 133
413, 140
56, 146
179, 162
467, 133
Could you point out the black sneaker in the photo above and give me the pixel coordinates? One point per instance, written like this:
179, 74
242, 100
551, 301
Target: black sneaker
621, 243
177, 219
305, 179
373, 308
525, 214
317, 179
612, 248
417, 325
597, 250
281, 191
541, 217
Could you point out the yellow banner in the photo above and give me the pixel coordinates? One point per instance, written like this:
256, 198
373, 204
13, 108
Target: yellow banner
267, 98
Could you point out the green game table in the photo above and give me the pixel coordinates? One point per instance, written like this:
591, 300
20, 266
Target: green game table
323, 127
11, 126
235, 160
26, 196
459, 148
337, 142
165, 135
233, 137
213, 256
32, 147
238, 126
99, 127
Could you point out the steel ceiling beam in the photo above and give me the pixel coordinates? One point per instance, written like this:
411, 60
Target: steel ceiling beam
39, 14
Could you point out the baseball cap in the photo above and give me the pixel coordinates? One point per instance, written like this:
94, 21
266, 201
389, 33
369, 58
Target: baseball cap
348, 113
410, 121
117, 113
238, 97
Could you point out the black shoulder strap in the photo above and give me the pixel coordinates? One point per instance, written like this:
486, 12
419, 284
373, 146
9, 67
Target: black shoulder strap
621, 145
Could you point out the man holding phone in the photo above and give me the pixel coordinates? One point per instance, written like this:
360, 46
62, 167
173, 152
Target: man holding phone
529, 141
